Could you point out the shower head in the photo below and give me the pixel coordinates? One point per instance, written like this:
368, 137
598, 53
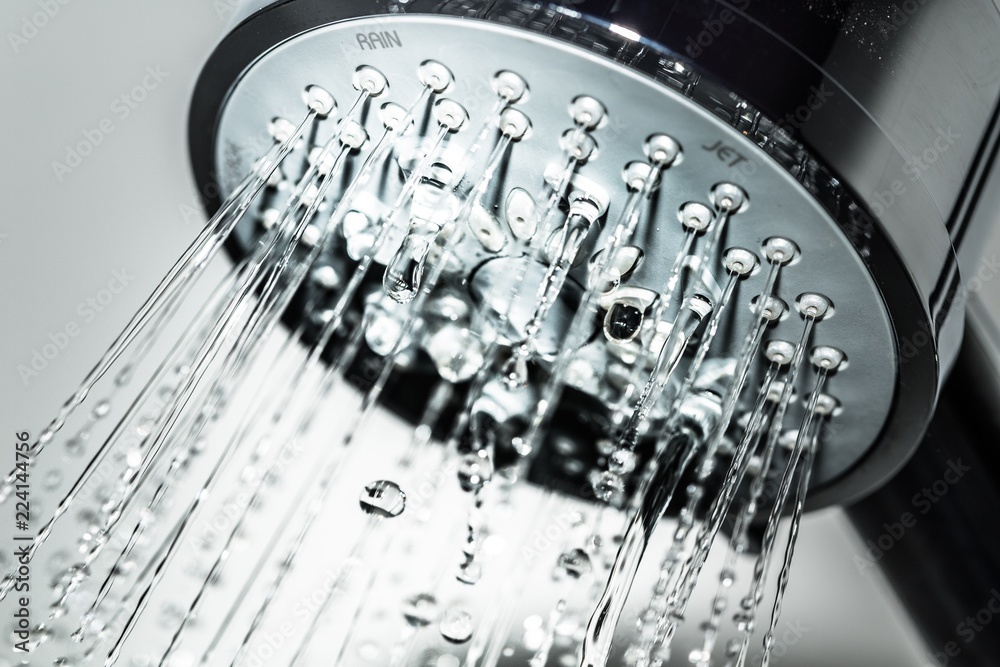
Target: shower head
619, 279
888, 294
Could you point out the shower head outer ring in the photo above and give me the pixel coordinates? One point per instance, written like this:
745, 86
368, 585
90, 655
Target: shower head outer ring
902, 281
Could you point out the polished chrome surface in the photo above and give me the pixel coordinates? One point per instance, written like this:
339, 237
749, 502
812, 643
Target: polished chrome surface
776, 204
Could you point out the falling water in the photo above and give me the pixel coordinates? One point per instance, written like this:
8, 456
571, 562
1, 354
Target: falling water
674, 458
375, 248
193, 261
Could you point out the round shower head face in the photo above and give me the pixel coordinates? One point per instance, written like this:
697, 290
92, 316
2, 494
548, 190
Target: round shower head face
705, 208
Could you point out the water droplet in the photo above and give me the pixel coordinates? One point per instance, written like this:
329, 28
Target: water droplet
326, 276
123, 376
355, 222
698, 655
635, 656
604, 283
456, 625
91, 625
449, 306
470, 572
622, 264
456, 352
515, 370
75, 445
383, 498
146, 426
569, 626
622, 462
404, 272
383, 327
39, 635
533, 640
622, 322
52, 479
575, 563
369, 651
69, 577
420, 609
102, 409
474, 471
608, 487
133, 458
744, 622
